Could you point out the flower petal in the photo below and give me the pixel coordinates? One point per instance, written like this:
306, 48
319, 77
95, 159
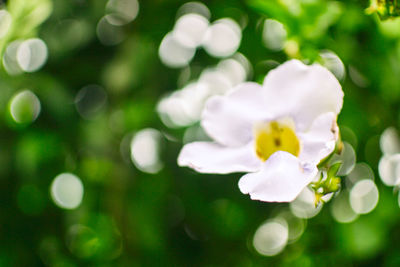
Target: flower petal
320, 140
281, 179
208, 157
302, 92
229, 119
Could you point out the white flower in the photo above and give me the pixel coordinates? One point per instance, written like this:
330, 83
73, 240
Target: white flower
277, 132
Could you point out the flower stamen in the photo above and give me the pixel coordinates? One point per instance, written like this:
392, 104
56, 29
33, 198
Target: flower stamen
273, 136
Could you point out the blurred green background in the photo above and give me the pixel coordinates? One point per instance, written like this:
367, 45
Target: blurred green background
91, 129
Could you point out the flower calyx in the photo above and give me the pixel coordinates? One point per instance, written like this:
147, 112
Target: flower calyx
329, 182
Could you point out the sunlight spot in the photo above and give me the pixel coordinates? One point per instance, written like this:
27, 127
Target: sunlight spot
296, 225
25, 107
121, 12
333, 63
348, 159
274, 35
90, 100
233, 70
303, 206
222, 38
389, 141
271, 237
216, 81
194, 7
189, 30
184, 106
244, 61
172, 111
10, 61
389, 169
31, 54
109, 34
173, 54
67, 191
341, 209
364, 196
360, 172
145, 150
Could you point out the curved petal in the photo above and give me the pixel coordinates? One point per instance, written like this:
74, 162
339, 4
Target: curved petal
302, 92
208, 157
229, 119
320, 140
281, 179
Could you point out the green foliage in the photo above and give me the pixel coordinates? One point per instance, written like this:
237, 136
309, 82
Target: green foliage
177, 217
26, 16
386, 9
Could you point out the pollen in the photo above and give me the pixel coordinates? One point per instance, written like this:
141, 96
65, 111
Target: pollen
274, 136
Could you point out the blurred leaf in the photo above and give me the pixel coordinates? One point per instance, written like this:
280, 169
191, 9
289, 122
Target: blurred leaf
26, 15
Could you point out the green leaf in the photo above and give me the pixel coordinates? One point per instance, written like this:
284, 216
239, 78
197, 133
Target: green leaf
334, 169
26, 15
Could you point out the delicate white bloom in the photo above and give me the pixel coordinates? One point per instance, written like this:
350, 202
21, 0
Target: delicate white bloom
277, 132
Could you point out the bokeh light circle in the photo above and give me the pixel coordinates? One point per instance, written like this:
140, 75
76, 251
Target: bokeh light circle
121, 12
109, 34
145, 150
194, 7
183, 107
341, 209
10, 61
32, 54
333, 63
389, 141
274, 34
364, 196
90, 100
348, 158
304, 205
189, 30
67, 191
222, 38
360, 171
271, 237
233, 70
173, 54
389, 169
296, 225
25, 107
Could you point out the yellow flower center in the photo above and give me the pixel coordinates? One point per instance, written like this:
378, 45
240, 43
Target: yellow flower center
274, 136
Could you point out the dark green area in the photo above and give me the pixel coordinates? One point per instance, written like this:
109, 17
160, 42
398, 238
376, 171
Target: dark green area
177, 217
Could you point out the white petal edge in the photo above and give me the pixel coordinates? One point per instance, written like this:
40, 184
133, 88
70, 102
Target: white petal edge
281, 179
210, 157
229, 119
320, 140
302, 92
